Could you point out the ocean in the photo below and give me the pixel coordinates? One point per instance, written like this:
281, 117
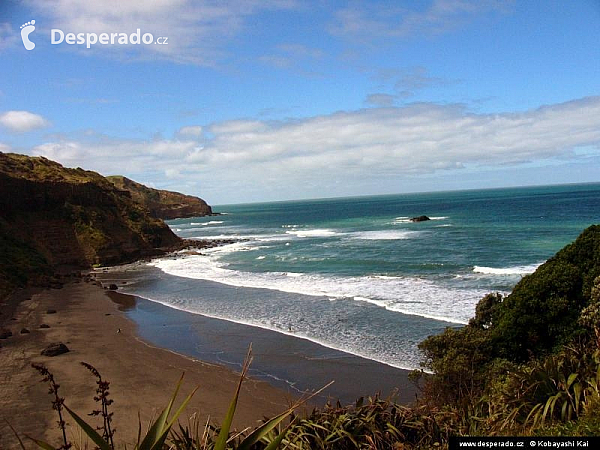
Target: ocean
356, 274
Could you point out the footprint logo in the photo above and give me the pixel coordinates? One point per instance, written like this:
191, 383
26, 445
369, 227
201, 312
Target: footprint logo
26, 30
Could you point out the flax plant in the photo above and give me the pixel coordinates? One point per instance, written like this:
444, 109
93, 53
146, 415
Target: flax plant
57, 404
105, 402
153, 440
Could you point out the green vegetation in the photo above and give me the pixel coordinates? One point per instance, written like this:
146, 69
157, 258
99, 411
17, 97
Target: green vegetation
153, 440
526, 364
158, 431
484, 382
162, 204
542, 312
44, 170
53, 218
19, 263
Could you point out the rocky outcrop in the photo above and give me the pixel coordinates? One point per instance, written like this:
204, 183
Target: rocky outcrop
55, 218
55, 349
420, 219
163, 204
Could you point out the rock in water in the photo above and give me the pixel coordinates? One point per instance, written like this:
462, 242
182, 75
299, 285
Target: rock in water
419, 219
55, 349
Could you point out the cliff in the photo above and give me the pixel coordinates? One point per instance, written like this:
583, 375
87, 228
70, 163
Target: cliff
163, 204
54, 218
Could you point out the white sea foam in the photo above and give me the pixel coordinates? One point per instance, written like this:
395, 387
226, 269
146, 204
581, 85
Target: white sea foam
222, 236
384, 235
408, 295
312, 233
515, 270
352, 343
212, 222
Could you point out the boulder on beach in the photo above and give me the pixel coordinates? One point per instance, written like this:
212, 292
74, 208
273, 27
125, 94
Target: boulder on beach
419, 219
44, 325
25, 331
55, 349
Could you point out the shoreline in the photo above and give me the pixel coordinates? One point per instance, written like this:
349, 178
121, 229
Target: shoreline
131, 304
293, 363
142, 376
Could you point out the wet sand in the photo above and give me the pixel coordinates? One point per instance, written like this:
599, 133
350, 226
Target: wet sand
126, 338
142, 376
284, 359
291, 363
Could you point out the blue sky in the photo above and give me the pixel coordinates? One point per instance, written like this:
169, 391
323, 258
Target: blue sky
273, 100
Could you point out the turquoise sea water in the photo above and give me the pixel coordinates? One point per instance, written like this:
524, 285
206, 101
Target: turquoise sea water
355, 274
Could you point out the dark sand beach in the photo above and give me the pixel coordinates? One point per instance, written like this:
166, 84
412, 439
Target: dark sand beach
142, 376
291, 363
143, 373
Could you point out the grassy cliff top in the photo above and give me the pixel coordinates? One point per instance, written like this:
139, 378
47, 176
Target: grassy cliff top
38, 168
161, 203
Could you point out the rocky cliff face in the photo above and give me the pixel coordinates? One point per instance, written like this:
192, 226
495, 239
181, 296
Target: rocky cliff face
163, 204
52, 217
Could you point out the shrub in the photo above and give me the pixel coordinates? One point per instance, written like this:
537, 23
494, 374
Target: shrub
540, 315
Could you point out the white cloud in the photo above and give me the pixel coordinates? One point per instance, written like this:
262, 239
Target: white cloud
8, 36
194, 131
4, 148
277, 61
414, 79
367, 22
118, 156
68, 153
328, 155
404, 82
291, 56
22, 121
298, 51
172, 173
380, 99
418, 137
93, 101
197, 31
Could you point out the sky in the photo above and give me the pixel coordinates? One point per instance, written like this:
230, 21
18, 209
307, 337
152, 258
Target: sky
267, 100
